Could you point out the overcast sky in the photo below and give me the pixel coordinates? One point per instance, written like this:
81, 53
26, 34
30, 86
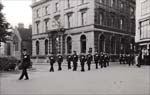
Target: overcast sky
17, 11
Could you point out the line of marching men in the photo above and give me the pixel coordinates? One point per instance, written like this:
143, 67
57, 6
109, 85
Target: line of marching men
127, 59
101, 60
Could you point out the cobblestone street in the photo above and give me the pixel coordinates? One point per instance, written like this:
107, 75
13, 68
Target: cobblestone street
114, 80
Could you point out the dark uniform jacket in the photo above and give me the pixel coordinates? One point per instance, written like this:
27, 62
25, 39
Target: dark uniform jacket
96, 57
52, 59
25, 61
89, 58
75, 58
69, 58
82, 59
59, 58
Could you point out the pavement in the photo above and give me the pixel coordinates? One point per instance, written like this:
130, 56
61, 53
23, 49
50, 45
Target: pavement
115, 80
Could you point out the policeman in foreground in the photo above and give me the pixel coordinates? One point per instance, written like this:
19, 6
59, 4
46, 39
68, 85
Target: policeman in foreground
69, 59
82, 62
101, 59
104, 60
75, 60
89, 58
52, 61
25, 64
107, 59
96, 59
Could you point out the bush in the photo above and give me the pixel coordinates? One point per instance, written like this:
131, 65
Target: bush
8, 63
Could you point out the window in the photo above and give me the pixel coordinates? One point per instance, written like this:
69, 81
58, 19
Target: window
46, 25
101, 43
57, 7
38, 12
122, 5
37, 48
145, 29
68, 3
113, 45
16, 43
37, 27
83, 18
83, 1
145, 7
112, 20
69, 45
69, 18
101, 19
101, 1
46, 47
112, 3
121, 23
47, 10
83, 43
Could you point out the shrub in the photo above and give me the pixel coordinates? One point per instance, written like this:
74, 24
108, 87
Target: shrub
8, 63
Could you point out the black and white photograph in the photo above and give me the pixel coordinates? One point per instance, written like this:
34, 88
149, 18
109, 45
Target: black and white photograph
74, 47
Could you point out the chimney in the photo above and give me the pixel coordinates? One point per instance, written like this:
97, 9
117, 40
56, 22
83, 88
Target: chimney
20, 25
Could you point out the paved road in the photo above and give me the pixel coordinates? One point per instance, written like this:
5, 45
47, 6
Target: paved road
114, 80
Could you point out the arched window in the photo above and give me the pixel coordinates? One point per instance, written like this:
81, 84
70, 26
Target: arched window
113, 45
69, 45
101, 43
83, 43
122, 45
16, 43
46, 47
37, 48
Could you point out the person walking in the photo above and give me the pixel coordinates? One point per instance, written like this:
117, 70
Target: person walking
75, 60
69, 59
52, 61
82, 62
25, 64
96, 59
89, 60
59, 60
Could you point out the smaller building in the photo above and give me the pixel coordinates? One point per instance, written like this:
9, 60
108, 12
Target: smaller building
20, 39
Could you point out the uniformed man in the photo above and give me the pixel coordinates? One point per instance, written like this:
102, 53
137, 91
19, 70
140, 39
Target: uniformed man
104, 60
75, 60
25, 64
59, 60
96, 59
52, 61
69, 59
82, 61
121, 59
89, 58
107, 59
101, 59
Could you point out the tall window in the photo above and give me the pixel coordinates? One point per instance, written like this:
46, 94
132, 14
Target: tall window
145, 29
37, 48
56, 6
112, 20
101, 1
68, 3
121, 23
69, 45
101, 43
83, 18
46, 25
16, 43
38, 12
145, 7
47, 10
101, 18
113, 45
83, 43
112, 3
122, 5
83, 1
46, 47
69, 18
37, 27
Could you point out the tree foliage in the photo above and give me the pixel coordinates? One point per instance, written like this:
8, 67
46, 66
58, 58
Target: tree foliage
4, 26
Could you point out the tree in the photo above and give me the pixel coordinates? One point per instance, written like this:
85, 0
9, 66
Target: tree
4, 26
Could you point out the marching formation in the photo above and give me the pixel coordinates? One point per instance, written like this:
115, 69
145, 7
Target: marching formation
101, 60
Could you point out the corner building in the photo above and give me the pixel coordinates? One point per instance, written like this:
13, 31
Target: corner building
82, 25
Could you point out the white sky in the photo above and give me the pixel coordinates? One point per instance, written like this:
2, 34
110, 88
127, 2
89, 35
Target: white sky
18, 11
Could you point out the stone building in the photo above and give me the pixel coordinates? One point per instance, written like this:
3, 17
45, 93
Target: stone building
82, 25
143, 25
21, 38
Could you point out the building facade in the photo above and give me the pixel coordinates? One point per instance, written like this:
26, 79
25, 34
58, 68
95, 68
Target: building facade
21, 38
143, 25
81, 25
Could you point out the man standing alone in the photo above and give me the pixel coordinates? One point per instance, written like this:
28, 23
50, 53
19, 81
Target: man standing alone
25, 64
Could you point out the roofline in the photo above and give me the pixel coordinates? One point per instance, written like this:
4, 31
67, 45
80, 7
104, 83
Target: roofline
39, 3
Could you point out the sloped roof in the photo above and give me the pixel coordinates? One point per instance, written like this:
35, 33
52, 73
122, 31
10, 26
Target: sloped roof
26, 34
